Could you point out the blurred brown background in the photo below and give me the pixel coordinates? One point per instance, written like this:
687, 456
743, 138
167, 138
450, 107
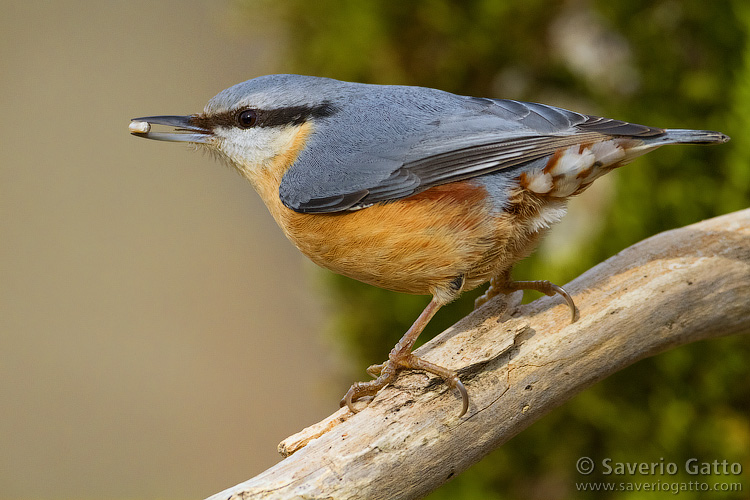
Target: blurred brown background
158, 335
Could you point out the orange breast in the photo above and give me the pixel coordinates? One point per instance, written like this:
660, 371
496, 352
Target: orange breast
415, 245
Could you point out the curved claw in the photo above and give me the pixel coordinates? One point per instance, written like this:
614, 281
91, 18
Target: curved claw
347, 400
565, 295
464, 397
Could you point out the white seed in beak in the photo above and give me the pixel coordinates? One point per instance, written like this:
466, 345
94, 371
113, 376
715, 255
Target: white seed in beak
139, 127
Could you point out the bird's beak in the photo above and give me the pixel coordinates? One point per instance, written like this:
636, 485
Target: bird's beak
185, 129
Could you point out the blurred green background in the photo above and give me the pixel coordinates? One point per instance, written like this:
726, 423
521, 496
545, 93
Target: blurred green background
668, 63
158, 336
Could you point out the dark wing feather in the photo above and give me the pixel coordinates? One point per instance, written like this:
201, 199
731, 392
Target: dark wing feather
608, 126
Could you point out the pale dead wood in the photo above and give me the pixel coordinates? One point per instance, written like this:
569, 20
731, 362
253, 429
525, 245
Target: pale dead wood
677, 287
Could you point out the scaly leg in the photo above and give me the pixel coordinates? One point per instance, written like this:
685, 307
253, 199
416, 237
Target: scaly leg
503, 284
401, 358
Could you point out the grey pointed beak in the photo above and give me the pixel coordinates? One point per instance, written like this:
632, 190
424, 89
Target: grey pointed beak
185, 129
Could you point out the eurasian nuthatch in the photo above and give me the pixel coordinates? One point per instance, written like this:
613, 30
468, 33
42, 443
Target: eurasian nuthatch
411, 189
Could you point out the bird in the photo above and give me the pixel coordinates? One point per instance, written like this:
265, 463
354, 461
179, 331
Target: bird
411, 189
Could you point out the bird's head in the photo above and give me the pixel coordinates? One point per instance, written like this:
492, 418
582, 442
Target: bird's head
250, 123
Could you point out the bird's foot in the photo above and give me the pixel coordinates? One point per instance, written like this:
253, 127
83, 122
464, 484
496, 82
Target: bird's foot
386, 373
546, 287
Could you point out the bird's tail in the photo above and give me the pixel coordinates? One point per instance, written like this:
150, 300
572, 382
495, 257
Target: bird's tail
684, 136
671, 136
674, 136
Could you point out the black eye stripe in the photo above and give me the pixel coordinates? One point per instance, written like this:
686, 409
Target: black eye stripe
295, 115
279, 117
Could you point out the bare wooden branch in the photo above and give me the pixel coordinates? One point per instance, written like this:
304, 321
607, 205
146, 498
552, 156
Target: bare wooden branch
677, 287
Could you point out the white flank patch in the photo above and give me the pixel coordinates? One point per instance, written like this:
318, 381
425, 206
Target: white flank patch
571, 162
566, 169
566, 185
607, 152
539, 182
547, 216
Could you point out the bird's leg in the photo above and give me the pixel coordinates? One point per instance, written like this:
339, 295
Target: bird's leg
401, 358
503, 284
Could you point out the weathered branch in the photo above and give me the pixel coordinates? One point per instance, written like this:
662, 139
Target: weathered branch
677, 287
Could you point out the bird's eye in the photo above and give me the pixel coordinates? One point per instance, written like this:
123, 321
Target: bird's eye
247, 118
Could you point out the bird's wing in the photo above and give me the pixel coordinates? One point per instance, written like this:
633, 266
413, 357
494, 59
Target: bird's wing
489, 135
